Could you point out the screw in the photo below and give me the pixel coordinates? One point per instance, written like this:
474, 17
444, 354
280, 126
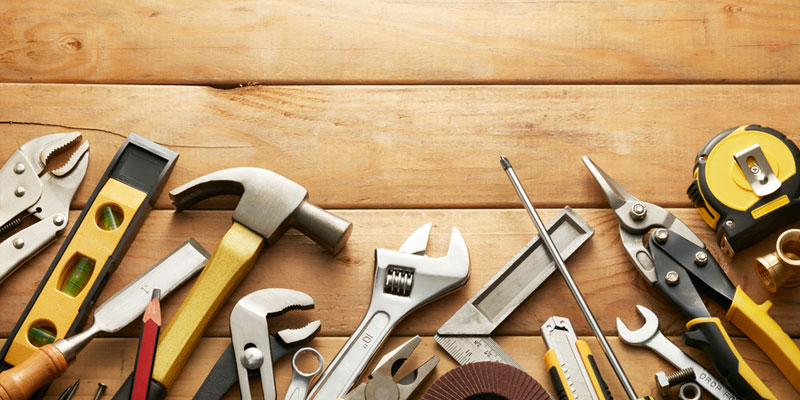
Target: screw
101, 387
755, 170
661, 235
701, 258
702, 159
730, 224
58, 220
19, 191
18, 243
252, 358
19, 168
672, 278
638, 211
665, 382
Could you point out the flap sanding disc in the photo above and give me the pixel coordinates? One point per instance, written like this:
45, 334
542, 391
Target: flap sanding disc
486, 381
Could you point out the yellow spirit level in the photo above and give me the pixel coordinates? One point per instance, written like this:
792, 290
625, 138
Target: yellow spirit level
93, 249
746, 185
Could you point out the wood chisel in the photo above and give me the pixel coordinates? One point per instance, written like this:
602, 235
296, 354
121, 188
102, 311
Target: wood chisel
93, 249
466, 335
50, 361
571, 364
745, 185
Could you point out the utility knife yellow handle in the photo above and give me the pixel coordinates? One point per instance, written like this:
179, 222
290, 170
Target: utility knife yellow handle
755, 322
557, 375
599, 385
231, 261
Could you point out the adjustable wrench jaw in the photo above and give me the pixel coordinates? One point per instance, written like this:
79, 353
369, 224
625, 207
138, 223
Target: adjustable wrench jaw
404, 281
250, 334
411, 280
269, 205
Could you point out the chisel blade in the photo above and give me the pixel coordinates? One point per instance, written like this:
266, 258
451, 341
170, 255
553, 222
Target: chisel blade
130, 302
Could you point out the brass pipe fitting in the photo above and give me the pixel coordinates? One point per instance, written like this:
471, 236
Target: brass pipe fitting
779, 268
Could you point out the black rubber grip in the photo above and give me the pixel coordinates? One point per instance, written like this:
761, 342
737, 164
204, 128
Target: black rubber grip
708, 337
561, 391
603, 384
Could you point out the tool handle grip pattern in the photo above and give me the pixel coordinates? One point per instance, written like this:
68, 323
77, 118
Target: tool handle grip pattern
600, 386
557, 375
21, 381
708, 335
753, 319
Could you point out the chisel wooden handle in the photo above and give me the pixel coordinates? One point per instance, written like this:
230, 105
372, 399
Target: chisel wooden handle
20, 382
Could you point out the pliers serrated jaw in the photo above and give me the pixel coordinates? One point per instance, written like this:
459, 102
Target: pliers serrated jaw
381, 384
31, 190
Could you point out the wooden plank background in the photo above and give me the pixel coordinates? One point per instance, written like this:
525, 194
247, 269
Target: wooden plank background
393, 114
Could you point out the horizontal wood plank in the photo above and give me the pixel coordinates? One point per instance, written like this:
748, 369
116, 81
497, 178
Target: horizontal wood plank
117, 356
410, 147
341, 285
362, 41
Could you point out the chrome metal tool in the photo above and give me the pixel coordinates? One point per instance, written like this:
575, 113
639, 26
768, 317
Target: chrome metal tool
250, 334
301, 381
404, 281
224, 375
573, 287
30, 191
650, 336
381, 384
466, 335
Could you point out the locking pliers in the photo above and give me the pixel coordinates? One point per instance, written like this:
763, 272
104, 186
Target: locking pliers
29, 190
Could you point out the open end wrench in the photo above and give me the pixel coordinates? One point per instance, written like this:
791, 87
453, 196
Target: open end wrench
404, 281
650, 336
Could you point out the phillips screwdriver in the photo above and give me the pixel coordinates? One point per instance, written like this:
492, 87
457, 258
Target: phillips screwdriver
587, 313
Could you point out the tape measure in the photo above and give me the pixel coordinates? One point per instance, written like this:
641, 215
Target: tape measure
746, 185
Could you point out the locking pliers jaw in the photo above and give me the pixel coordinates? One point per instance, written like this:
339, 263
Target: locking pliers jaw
32, 191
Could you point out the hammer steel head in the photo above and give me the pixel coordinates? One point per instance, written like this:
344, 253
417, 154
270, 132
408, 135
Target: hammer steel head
269, 205
643, 334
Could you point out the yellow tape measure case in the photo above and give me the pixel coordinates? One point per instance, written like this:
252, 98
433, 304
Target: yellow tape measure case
745, 185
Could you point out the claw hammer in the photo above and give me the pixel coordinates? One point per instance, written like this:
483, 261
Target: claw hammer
269, 205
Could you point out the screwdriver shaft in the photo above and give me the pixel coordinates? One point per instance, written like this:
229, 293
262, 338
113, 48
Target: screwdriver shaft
556, 256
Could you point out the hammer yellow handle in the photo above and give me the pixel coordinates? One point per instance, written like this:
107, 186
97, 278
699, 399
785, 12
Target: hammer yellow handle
22, 381
231, 261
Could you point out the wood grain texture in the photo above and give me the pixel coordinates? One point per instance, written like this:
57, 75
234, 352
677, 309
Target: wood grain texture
601, 268
118, 355
362, 41
410, 147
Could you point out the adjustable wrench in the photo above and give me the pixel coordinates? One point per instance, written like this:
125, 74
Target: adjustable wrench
651, 337
404, 281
